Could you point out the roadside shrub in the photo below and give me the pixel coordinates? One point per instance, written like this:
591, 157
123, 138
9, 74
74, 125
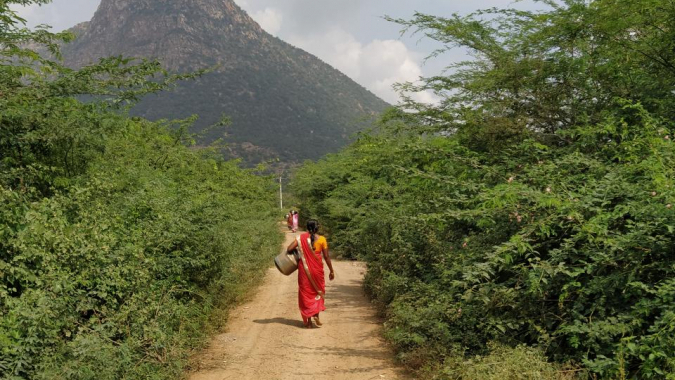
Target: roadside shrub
532, 208
118, 240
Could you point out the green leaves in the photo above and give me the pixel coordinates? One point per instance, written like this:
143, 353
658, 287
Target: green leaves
142, 241
536, 197
117, 237
571, 239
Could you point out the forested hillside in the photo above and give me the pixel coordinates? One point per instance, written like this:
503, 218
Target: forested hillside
283, 102
117, 239
524, 227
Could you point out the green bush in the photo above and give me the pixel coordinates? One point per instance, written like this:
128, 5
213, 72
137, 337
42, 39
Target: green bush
505, 363
533, 206
117, 240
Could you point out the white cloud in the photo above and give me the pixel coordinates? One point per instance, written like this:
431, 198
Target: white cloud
60, 14
25, 12
377, 65
34, 14
269, 19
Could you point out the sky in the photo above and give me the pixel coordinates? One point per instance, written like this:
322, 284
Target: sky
350, 35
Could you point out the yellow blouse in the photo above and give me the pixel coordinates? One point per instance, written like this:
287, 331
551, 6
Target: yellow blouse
320, 244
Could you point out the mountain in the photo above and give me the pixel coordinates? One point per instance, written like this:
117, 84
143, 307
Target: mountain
283, 101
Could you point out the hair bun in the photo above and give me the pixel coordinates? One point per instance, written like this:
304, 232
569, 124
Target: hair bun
312, 225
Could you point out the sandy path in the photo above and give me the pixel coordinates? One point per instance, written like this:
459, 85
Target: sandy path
264, 338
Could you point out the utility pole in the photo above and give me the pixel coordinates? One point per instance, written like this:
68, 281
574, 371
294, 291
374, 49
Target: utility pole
281, 194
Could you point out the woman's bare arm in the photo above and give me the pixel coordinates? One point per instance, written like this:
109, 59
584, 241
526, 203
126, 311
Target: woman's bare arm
326, 256
292, 246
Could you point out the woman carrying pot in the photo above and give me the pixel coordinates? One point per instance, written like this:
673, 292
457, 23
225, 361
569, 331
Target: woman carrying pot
311, 280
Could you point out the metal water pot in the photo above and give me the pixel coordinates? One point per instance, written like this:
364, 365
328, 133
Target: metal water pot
286, 262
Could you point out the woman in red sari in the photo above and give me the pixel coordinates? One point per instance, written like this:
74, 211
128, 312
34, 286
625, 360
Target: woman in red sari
289, 220
311, 280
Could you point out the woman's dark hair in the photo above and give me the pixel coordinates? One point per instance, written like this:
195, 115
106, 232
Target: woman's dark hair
312, 228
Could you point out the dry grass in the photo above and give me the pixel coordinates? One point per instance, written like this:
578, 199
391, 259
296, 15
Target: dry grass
506, 363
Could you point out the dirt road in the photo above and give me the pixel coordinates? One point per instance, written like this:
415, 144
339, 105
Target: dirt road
265, 339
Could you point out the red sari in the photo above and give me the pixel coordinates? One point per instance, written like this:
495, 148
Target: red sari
310, 301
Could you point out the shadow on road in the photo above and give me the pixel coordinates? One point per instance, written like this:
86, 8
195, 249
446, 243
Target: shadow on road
281, 321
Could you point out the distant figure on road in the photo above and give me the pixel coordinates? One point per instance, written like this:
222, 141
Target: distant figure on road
289, 219
296, 218
311, 277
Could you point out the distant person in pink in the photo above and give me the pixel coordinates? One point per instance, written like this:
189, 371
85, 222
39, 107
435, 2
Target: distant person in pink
296, 218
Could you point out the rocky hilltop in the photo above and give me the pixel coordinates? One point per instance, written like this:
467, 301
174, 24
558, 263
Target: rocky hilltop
283, 101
